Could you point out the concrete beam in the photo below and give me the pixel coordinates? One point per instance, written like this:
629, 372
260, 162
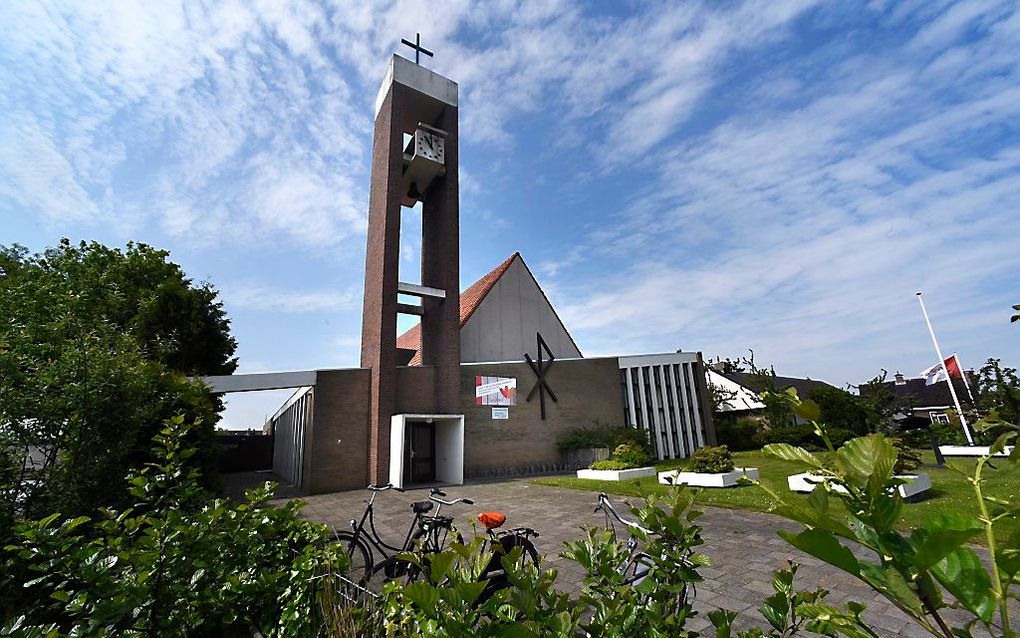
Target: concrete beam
416, 290
223, 384
410, 309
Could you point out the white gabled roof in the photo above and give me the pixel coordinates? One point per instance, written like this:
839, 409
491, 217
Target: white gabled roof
743, 399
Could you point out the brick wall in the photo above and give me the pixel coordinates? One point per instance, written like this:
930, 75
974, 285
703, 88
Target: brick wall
337, 444
587, 389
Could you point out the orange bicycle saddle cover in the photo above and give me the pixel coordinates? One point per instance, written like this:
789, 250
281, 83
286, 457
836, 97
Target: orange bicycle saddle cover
492, 520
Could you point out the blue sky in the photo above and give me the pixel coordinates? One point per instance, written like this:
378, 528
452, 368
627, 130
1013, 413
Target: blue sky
779, 175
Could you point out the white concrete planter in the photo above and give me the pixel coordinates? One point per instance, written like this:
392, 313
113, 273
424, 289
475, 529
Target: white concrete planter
706, 479
971, 450
616, 475
916, 485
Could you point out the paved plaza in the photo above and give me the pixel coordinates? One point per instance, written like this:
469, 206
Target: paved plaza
743, 546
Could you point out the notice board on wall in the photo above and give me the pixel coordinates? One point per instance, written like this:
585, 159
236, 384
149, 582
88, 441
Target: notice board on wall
495, 391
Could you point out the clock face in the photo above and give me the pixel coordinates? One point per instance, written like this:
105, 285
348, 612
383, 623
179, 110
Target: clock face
429, 146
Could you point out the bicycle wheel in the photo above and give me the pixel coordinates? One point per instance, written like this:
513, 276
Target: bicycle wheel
358, 553
495, 572
393, 568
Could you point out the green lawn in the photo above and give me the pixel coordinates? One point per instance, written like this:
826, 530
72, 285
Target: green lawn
950, 491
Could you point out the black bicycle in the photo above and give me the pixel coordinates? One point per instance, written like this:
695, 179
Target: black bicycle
503, 543
639, 563
366, 550
427, 535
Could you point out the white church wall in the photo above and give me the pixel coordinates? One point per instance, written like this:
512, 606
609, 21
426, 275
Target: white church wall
503, 326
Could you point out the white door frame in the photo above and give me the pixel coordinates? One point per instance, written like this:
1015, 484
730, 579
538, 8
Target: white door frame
449, 450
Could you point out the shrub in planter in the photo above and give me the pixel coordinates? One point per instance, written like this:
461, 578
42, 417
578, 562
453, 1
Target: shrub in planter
712, 460
631, 454
612, 465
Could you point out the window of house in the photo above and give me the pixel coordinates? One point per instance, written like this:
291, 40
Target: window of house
939, 417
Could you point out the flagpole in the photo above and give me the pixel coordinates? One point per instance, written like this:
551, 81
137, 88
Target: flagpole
949, 379
966, 383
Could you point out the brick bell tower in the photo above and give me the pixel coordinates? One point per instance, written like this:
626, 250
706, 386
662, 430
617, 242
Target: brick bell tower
414, 159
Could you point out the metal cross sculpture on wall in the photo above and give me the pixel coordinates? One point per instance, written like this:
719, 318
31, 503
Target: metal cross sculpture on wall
541, 369
418, 48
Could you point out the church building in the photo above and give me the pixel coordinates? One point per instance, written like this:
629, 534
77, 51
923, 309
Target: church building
490, 379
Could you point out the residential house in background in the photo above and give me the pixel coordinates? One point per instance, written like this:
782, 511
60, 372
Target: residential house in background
741, 392
921, 404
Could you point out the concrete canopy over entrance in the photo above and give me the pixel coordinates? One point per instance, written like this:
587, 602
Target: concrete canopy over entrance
440, 450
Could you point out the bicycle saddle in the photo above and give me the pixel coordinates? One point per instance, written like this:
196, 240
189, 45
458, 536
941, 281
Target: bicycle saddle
492, 520
420, 507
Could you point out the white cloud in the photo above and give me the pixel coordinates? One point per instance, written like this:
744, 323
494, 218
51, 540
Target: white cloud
255, 297
805, 233
34, 174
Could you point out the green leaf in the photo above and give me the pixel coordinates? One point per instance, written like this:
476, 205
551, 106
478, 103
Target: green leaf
891, 583
885, 510
422, 594
868, 461
824, 546
818, 499
1000, 442
775, 608
807, 410
440, 565
722, 620
812, 518
942, 534
470, 591
787, 452
964, 576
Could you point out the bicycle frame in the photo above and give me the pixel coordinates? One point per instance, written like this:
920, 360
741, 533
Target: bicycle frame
371, 535
639, 561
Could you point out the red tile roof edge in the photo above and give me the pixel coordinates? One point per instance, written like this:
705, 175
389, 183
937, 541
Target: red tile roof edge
470, 299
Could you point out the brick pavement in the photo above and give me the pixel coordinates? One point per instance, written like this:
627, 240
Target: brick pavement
743, 546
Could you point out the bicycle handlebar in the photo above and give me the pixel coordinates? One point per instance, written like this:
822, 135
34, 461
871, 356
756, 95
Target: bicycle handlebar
605, 502
434, 496
383, 488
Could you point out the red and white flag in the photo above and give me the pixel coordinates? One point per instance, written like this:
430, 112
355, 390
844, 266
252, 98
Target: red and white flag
937, 373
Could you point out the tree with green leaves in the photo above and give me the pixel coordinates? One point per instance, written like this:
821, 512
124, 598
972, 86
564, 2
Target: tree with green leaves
138, 290
842, 410
999, 391
92, 362
777, 413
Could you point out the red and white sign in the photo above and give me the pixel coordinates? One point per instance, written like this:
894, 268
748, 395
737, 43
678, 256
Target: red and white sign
495, 391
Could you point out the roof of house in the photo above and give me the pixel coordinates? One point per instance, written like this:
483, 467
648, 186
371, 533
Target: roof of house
740, 399
803, 386
470, 299
916, 393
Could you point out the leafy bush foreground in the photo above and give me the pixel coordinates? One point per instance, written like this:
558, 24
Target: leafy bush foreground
176, 564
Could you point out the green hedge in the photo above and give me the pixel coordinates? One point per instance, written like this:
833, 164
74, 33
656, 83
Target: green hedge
712, 460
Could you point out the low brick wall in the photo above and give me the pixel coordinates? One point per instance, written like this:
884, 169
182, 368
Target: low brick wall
588, 390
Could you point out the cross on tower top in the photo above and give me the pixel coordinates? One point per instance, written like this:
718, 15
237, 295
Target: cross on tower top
418, 48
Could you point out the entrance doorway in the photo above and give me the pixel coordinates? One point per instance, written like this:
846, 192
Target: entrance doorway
420, 453
426, 448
